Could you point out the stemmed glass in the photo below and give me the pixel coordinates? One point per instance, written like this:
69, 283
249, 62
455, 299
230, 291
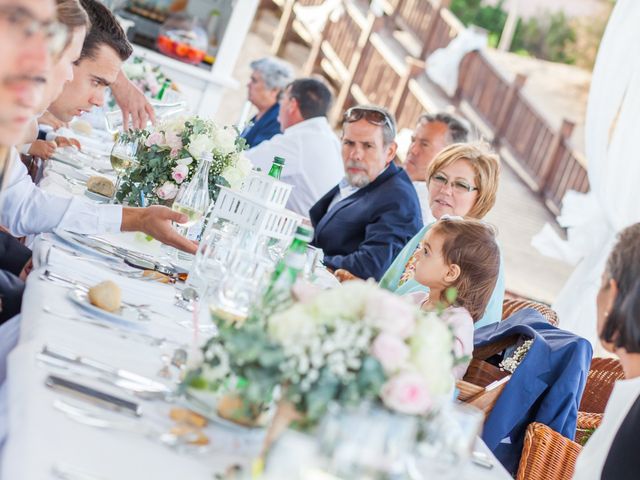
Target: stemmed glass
124, 155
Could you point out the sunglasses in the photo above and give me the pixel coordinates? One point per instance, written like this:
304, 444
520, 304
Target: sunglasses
373, 115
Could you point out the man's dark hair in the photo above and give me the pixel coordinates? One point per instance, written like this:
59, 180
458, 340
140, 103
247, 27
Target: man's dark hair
105, 30
458, 132
313, 97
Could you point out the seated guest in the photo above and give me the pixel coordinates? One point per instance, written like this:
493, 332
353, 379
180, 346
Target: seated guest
462, 180
310, 148
432, 134
611, 452
269, 77
464, 255
362, 223
25, 209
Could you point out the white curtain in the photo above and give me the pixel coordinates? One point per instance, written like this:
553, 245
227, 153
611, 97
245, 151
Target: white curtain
612, 147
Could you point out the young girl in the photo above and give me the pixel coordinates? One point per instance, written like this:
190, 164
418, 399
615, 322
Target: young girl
463, 255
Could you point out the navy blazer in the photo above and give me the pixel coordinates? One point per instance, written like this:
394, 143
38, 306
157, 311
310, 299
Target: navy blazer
546, 387
263, 129
365, 231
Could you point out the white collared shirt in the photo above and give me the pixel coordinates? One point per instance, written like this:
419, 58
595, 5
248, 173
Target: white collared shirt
313, 161
345, 189
423, 197
25, 209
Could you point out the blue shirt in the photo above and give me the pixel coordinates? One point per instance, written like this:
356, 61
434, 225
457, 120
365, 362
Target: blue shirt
263, 129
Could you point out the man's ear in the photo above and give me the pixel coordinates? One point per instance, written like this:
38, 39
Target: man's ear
392, 149
453, 272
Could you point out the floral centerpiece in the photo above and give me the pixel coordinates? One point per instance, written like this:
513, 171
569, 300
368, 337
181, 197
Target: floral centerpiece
169, 153
349, 345
148, 78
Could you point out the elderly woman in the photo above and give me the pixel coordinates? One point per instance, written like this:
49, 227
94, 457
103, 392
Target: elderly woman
611, 452
462, 181
269, 77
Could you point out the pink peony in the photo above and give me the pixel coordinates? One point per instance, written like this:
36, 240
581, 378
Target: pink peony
156, 138
390, 351
167, 191
391, 314
408, 393
179, 173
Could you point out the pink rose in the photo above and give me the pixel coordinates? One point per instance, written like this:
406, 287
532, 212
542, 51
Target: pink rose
173, 141
156, 138
408, 393
179, 173
167, 191
390, 351
304, 291
391, 314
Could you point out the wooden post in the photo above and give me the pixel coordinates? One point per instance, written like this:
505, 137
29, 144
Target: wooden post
414, 66
284, 27
550, 164
373, 24
316, 50
433, 22
508, 104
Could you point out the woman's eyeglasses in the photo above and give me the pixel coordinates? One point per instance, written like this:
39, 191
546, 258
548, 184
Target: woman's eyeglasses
459, 186
372, 115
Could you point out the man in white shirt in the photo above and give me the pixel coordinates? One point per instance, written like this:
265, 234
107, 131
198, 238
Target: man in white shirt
432, 134
313, 163
25, 209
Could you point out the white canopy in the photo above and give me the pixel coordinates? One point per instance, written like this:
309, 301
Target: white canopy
612, 142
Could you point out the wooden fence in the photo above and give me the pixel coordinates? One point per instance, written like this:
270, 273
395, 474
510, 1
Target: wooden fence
364, 57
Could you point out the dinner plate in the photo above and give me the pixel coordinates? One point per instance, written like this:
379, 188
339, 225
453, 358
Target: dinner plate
204, 403
97, 197
86, 245
128, 317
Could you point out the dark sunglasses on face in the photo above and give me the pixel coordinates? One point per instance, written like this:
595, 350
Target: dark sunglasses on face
457, 185
24, 25
371, 115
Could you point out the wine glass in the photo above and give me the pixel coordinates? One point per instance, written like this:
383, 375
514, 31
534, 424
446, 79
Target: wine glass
124, 155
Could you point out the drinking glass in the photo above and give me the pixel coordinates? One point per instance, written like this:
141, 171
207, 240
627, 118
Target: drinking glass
240, 288
124, 155
448, 439
367, 441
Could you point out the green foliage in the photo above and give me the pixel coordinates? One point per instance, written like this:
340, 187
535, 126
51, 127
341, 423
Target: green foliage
549, 36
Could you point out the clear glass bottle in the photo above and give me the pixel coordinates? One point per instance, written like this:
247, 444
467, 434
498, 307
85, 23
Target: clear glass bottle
195, 199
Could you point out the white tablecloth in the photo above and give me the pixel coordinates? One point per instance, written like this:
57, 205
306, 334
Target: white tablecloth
40, 436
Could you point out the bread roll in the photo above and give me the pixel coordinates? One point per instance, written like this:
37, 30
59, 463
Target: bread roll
106, 295
101, 185
82, 127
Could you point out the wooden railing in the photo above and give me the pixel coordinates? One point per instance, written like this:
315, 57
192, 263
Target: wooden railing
360, 55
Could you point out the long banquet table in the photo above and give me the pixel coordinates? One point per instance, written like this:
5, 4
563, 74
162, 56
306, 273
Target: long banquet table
42, 438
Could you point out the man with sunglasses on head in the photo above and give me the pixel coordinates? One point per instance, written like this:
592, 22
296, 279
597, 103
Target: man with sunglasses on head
310, 148
365, 220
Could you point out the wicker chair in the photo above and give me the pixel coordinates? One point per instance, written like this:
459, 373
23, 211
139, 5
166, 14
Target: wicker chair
547, 455
511, 306
602, 375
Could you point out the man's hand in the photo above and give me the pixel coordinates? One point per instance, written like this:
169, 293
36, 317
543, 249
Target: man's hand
68, 142
49, 118
156, 221
132, 102
42, 149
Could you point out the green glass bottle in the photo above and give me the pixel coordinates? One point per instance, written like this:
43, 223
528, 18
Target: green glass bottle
276, 167
164, 87
278, 294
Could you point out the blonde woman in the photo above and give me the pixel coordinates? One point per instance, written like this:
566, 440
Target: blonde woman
462, 181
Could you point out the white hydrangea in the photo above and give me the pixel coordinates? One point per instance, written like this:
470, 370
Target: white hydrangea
431, 353
224, 140
198, 144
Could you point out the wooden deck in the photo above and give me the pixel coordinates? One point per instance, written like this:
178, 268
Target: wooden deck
518, 215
